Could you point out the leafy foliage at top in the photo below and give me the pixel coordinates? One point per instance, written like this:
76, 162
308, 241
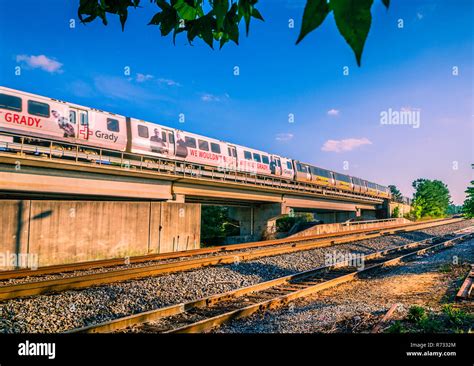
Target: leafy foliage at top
396, 194
468, 207
219, 20
431, 198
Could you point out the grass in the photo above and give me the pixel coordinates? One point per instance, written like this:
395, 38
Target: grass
451, 319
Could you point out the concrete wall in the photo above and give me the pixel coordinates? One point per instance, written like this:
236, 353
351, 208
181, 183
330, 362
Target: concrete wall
403, 209
338, 227
73, 231
253, 220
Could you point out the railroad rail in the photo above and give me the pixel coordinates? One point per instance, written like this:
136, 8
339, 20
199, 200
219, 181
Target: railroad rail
10, 291
209, 312
64, 268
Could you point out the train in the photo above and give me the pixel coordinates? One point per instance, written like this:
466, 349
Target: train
36, 116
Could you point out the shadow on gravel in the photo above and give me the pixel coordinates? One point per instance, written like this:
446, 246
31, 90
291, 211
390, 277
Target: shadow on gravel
264, 271
439, 262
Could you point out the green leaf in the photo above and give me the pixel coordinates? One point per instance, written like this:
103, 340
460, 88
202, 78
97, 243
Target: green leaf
256, 14
245, 11
386, 3
220, 10
353, 20
185, 11
314, 14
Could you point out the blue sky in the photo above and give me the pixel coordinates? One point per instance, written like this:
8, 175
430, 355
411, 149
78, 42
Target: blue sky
336, 117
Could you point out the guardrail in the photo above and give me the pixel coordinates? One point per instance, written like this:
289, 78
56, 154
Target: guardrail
106, 158
354, 223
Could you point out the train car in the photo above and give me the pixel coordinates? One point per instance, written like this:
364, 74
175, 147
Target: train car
372, 188
151, 139
36, 116
302, 171
281, 167
322, 176
199, 149
343, 181
359, 185
383, 191
253, 161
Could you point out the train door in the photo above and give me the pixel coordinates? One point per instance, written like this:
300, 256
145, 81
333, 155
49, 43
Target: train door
168, 139
275, 165
80, 119
233, 155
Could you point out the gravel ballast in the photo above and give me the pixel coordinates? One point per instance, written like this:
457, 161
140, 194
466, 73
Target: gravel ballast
72, 309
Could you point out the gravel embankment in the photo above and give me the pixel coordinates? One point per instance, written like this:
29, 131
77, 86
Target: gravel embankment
71, 309
429, 281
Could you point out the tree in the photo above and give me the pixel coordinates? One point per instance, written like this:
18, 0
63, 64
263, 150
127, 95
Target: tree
431, 198
216, 225
468, 207
221, 22
396, 194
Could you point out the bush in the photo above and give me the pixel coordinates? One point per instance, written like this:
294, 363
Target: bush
455, 316
284, 224
416, 314
396, 212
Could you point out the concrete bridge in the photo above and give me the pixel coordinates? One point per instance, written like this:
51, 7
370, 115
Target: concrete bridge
130, 209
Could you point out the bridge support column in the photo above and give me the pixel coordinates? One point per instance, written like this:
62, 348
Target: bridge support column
253, 220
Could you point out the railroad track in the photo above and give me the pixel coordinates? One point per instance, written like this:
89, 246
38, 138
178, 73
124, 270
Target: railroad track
33, 288
64, 268
209, 312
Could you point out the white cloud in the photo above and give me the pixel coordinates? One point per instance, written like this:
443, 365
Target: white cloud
210, 98
284, 136
168, 82
344, 145
121, 88
41, 61
333, 112
143, 77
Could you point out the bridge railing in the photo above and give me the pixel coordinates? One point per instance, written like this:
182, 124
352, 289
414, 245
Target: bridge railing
106, 158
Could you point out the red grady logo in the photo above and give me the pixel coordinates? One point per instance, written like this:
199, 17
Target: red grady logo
22, 120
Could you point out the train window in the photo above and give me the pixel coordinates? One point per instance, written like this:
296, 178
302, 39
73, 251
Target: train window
265, 159
10, 102
190, 142
38, 108
324, 173
279, 163
113, 125
288, 165
215, 148
301, 168
247, 155
143, 132
234, 153
84, 120
72, 117
203, 145
229, 152
163, 136
342, 177
256, 157
171, 137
